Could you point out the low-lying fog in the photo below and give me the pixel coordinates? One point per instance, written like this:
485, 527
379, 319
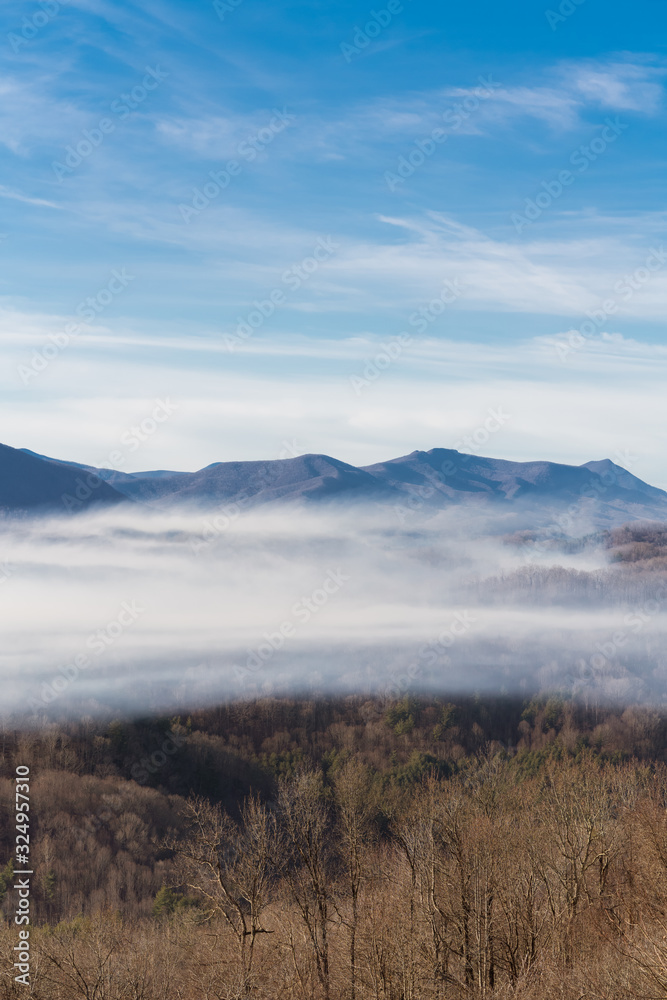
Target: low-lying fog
148, 612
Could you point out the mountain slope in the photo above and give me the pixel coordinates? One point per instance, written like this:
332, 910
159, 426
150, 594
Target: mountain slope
452, 474
598, 493
614, 475
601, 490
306, 478
119, 480
32, 484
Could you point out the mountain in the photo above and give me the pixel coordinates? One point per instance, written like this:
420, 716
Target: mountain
443, 477
599, 493
611, 473
113, 476
29, 484
308, 478
456, 477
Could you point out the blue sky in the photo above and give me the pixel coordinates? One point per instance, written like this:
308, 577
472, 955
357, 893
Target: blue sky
528, 232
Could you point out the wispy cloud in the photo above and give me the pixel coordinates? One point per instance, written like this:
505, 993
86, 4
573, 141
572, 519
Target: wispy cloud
285, 386
619, 85
17, 196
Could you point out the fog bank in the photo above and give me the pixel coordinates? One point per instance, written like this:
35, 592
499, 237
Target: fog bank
141, 612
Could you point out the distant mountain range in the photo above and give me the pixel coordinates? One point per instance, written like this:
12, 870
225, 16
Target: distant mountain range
420, 483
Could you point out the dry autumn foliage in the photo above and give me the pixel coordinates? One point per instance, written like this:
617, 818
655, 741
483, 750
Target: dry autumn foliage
498, 873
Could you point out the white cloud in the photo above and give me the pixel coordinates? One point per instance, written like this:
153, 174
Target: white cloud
561, 98
621, 86
608, 397
32, 116
6, 192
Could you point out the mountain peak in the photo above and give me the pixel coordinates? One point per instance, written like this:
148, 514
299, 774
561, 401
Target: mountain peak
424, 481
29, 482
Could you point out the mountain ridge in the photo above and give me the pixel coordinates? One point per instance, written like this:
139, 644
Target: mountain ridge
422, 481
31, 483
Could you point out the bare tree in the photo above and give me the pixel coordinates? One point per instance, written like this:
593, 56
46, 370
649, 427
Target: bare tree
230, 865
577, 815
356, 808
308, 861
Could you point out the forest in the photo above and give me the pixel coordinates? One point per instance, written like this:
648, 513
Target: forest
344, 849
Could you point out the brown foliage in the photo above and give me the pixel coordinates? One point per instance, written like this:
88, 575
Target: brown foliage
440, 874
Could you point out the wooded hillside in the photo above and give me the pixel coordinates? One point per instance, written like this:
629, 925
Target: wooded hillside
346, 849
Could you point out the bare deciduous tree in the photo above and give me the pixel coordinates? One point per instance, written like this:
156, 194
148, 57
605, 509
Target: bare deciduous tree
232, 866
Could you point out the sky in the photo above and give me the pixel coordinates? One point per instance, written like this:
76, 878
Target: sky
331, 227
